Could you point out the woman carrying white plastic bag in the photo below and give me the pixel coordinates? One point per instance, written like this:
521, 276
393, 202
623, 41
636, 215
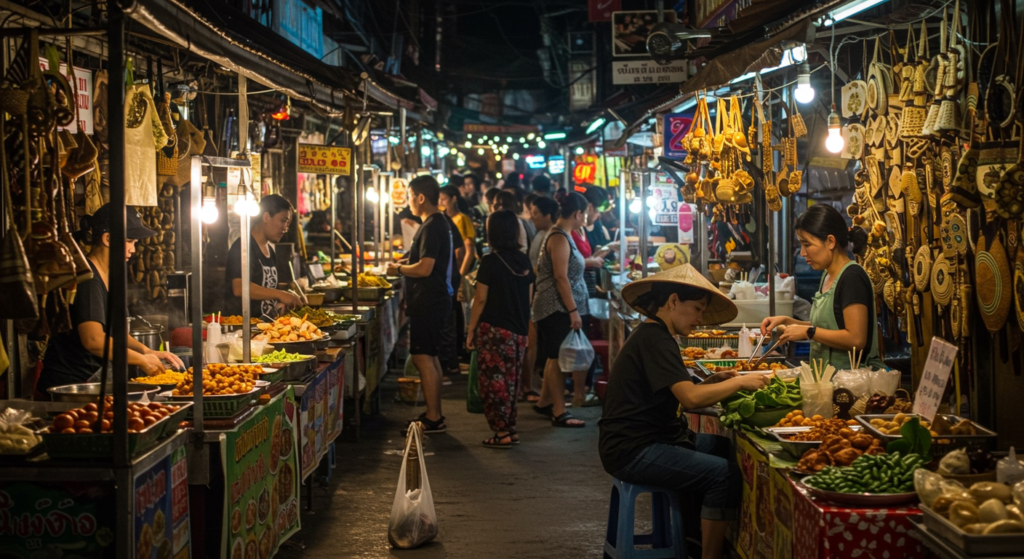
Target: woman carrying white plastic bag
413, 519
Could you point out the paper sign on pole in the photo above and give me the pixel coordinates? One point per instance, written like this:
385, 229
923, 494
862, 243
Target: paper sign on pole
934, 378
399, 194
324, 160
83, 78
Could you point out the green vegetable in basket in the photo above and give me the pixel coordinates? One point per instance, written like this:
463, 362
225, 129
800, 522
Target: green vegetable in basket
744, 404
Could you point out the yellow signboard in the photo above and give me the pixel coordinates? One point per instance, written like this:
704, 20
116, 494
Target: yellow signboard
325, 160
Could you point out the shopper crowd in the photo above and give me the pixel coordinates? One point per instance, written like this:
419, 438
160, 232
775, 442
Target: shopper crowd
497, 275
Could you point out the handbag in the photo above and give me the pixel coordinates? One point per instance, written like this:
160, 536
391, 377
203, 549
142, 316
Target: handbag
167, 156
140, 164
17, 287
473, 402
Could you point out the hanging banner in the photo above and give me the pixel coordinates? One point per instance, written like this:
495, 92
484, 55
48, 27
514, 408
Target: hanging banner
324, 160
261, 480
45, 519
663, 201
583, 80
83, 78
677, 125
161, 516
638, 72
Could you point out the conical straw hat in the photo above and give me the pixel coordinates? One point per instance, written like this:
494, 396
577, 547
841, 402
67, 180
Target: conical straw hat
720, 308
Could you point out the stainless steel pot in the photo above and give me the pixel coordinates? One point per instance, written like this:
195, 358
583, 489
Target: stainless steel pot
147, 334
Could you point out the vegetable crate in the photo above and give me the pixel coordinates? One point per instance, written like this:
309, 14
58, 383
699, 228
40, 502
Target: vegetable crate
101, 445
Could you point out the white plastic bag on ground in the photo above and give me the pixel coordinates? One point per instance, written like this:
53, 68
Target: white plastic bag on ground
576, 353
413, 519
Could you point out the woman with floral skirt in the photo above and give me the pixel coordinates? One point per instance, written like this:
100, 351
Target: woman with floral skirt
499, 324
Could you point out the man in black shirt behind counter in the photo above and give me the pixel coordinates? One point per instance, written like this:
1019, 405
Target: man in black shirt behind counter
428, 273
272, 223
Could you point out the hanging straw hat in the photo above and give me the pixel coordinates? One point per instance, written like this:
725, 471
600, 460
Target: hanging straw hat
719, 310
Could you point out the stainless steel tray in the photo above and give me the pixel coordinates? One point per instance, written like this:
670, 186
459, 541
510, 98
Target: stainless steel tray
702, 363
983, 433
797, 448
1009, 545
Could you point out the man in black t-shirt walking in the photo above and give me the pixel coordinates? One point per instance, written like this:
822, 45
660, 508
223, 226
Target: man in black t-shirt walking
429, 294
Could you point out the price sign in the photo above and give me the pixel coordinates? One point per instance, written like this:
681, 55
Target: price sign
325, 160
934, 378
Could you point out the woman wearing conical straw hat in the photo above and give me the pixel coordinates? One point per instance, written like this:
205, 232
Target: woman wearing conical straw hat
643, 438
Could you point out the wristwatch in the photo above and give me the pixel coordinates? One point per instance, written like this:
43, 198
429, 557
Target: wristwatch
399, 269
811, 331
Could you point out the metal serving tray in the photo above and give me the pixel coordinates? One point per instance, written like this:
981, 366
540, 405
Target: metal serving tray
702, 363
797, 448
983, 433
1009, 545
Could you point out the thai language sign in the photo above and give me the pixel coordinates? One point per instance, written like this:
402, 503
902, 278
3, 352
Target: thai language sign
42, 519
161, 513
634, 72
261, 484
324, 160
941, 355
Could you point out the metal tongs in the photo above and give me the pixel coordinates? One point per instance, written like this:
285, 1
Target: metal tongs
775, 342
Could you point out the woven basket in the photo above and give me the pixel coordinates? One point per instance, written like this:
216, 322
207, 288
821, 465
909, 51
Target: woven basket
942, 282
13, 101
1018, 288
948, 120
922, 268
992, 280
912, 121
930, 120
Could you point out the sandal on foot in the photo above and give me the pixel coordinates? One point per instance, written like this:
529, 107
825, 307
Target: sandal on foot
546, 411
429, 426
587, 401
564, 419
499, 441
531, 397
515, 437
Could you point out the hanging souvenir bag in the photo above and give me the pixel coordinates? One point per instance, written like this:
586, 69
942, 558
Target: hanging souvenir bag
192, 137
1009, 194
999, 99
854, 99
17, 287
140, 161
920, 86
942, 282
879, 82
739, 140
167, 156
948, 120
992, 279
907, 68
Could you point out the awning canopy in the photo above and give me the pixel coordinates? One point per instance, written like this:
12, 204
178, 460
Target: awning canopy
234, 40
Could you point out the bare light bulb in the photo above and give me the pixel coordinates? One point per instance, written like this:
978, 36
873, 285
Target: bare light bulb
579, 150
209, 213
635, 206
371, 195
834, 143
804, 92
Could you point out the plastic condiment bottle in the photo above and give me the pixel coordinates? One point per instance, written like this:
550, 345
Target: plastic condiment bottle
213, 337
1009, 470
745, 349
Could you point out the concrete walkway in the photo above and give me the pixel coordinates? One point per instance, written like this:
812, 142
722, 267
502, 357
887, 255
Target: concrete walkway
546, 498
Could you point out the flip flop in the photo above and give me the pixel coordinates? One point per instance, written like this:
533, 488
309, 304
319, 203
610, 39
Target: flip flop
496, 442
564, 419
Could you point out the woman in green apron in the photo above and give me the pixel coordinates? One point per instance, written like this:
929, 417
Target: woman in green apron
843, 310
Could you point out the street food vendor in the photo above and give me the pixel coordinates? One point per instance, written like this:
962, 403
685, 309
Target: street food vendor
843, 310
264, 294
74, 356
644, 439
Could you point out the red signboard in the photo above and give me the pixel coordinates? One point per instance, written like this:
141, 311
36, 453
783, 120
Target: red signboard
601, 10
584, 172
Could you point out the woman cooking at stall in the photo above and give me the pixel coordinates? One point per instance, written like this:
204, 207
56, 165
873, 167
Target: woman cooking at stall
74, 356
843, 309
644, 439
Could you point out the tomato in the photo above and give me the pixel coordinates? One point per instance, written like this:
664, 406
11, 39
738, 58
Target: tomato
145, 412
91, 417
73, 414
63, 421
150, 420
155, 405
68, 431
105, 425
90, 407
136, 424
84, 431
82, 424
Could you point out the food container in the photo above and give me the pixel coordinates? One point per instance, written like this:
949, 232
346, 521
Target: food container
1005, 545
222, 406
983, 437
869, 500
90, 392
330, 294
796, 448
768, 417
702, 364
101, 445
315, 299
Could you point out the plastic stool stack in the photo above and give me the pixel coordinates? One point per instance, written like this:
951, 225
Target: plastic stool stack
668, 539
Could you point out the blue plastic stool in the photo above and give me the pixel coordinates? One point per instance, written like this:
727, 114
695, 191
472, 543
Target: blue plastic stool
668, 538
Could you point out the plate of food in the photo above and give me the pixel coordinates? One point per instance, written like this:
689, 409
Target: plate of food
288, 329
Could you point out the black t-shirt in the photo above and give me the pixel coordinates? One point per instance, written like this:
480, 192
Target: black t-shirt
433, 240
854, 288
262, 271
457, 239
508, 291
66, 360
639, 407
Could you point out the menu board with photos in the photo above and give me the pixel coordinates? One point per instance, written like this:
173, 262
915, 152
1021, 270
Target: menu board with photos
161, 512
